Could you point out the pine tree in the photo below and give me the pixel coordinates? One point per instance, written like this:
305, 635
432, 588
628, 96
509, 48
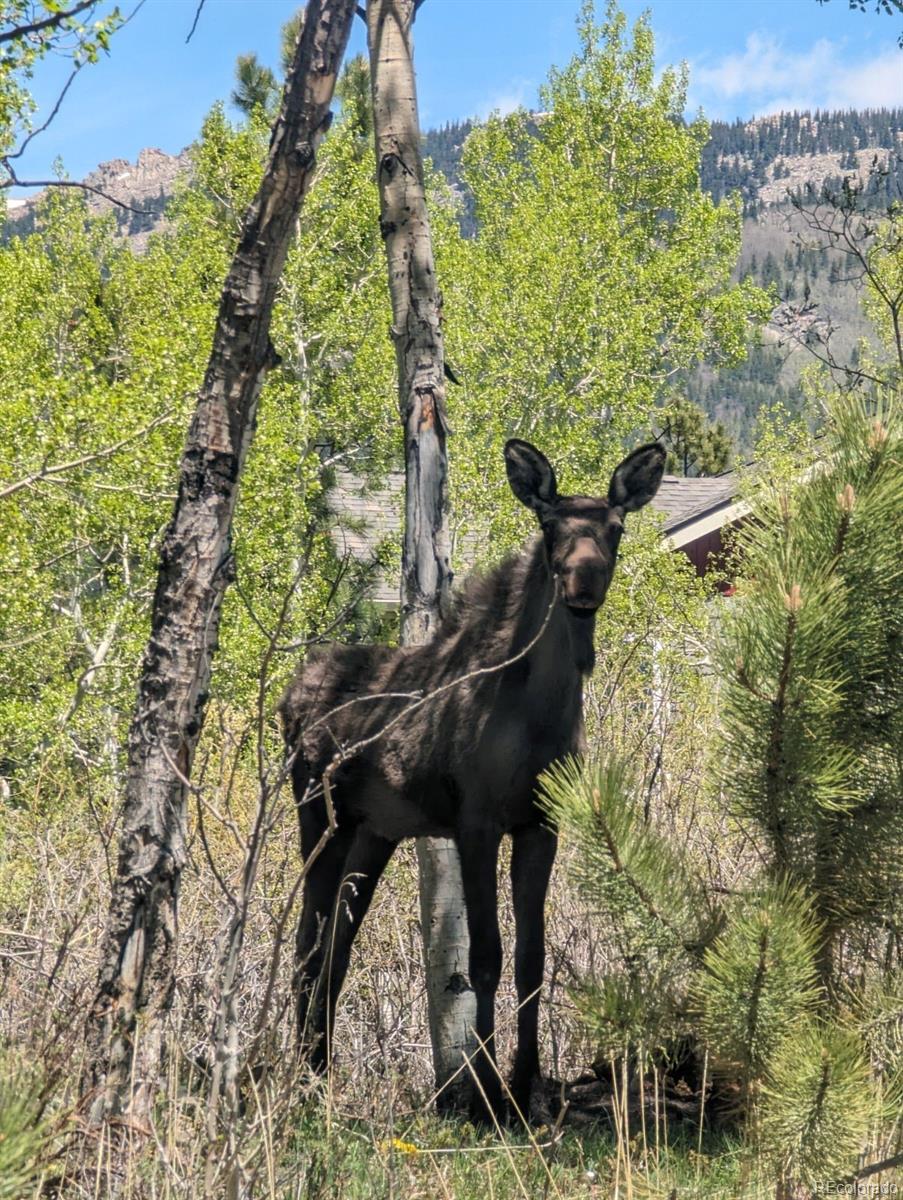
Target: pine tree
353, 92
696, 445
255, 85
759, 979
818, 1106
811, 660
811, 711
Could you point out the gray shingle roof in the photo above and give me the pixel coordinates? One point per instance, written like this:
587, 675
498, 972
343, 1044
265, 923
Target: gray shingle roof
682, 500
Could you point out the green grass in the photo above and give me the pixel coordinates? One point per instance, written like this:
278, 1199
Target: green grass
430, 1157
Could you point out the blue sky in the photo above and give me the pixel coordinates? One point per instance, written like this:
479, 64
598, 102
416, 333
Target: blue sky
746, 57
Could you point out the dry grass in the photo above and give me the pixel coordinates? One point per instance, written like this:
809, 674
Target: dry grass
368, 1130
50, 929
365, 1131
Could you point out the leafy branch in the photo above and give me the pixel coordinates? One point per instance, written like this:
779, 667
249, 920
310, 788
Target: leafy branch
48, 471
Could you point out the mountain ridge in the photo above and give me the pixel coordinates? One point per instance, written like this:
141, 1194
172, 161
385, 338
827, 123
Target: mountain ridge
142, 190
763, 159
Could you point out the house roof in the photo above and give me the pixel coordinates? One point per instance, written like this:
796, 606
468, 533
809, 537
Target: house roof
683, 501
363, 518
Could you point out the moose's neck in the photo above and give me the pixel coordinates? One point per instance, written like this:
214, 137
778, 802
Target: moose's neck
567, 642
581, 632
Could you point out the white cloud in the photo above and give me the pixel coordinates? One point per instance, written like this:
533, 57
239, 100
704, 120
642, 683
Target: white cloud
519, 93
766, 77
872, 84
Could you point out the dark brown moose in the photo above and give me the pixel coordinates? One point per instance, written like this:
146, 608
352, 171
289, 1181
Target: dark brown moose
463, 763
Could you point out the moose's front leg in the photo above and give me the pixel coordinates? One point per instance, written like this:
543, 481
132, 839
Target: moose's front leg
532, 855
479, 850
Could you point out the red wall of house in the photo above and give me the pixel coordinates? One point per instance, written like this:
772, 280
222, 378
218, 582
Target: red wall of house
707, 556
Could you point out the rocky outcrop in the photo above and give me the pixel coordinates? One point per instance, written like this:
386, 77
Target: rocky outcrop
144, 187
796, 173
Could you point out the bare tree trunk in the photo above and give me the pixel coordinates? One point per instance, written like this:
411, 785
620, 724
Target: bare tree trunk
426, 575
138, 949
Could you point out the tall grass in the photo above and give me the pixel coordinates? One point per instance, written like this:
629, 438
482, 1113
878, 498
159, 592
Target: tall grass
368, 1129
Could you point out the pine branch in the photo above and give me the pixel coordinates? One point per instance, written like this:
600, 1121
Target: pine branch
641, 893
774, 790
755, 999
594, 803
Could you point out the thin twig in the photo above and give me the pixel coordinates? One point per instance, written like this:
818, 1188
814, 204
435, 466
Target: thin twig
15, 181
872, 1169
194, 23
53, 112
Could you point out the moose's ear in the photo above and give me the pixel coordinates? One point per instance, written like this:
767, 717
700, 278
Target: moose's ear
530, 475
636, 480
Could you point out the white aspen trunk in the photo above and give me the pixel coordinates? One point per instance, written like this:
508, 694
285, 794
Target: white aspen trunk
137, 958
426, 574
446, 948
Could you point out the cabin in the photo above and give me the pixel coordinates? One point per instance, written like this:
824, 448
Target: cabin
698, 513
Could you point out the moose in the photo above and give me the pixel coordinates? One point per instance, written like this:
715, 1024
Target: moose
449, 739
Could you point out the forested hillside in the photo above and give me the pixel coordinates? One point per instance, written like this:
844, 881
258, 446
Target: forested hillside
766, 162
751, 157
769, 162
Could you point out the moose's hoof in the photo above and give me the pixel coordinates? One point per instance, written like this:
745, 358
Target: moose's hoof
532, 1102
